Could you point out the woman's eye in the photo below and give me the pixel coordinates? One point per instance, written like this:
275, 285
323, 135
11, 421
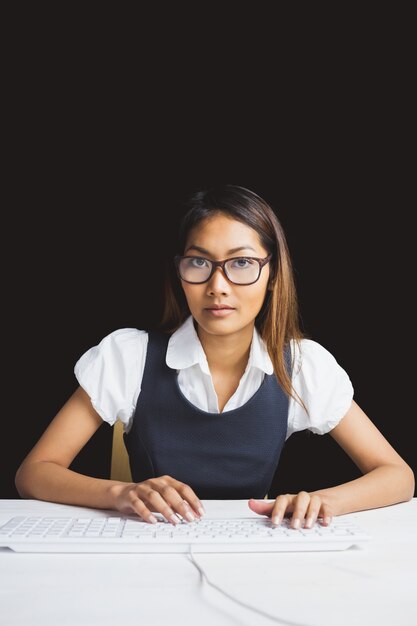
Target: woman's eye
242, 263
197, 262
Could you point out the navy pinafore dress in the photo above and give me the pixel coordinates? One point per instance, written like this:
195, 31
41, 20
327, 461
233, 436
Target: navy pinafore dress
221, 456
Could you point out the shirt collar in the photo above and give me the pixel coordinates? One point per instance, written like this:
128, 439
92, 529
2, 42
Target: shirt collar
185, 349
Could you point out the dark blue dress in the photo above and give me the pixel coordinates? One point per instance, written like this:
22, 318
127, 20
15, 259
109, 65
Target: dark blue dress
221, 456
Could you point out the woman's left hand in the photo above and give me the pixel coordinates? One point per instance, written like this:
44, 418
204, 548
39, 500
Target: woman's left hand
302, 506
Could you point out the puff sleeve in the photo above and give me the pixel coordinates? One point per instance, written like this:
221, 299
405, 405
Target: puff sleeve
111, 374
324, 387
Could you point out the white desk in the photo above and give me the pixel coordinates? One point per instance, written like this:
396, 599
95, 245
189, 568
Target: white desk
374, 585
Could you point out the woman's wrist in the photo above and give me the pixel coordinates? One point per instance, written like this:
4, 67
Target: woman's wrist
115, 490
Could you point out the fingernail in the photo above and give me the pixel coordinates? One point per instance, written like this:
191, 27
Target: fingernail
327, 520
153, 519
296, 523
309, 522
201, 511
174, 518
190, 516
276, 520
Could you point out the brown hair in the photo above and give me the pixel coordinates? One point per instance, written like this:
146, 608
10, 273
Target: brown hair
278, 320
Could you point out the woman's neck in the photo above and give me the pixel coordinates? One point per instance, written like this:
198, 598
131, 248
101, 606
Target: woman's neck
227, 353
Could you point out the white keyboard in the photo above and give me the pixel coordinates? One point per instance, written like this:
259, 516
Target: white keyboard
129, 534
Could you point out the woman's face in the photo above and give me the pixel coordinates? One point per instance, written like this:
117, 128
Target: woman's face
218, 238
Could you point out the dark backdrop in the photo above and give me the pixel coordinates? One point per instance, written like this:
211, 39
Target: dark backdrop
102, 149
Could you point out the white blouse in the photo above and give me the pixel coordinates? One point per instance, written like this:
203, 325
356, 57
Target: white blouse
111, 374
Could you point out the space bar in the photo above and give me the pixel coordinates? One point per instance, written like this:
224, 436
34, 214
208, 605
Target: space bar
197, 539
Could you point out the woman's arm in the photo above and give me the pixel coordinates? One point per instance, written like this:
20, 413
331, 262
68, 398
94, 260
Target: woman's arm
387, 477
44, 473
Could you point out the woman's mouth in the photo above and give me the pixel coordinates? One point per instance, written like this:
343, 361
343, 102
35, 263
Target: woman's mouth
219, 311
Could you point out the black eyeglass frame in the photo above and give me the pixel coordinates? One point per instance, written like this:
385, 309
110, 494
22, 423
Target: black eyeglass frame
216, 264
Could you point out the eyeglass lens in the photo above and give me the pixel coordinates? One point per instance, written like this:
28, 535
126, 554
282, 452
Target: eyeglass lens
240, 271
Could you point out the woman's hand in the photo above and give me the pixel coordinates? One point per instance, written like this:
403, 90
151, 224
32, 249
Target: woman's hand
163, 495
301, 505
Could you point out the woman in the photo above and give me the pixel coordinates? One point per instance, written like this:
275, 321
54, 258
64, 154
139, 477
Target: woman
208, 404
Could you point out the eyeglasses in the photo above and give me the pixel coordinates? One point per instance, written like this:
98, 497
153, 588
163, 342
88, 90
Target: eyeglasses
240, 270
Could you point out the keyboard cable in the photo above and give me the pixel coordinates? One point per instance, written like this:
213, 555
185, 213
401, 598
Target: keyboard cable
203, 575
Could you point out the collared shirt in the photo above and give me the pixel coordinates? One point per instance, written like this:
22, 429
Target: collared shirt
111, 374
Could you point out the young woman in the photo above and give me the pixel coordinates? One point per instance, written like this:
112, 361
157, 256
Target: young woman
208, 403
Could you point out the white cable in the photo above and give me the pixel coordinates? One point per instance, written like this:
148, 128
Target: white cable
248, 606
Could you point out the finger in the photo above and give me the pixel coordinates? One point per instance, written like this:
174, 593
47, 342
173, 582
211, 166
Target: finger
301, 503
312, 511
326, 514
158, 502
262, 507
282, 504
191, 502
171, 503
139, 507
191, 499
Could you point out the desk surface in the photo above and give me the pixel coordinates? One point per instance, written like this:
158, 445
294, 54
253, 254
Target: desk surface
374, 585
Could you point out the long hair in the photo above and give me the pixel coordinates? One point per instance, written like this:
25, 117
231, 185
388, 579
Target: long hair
278, 320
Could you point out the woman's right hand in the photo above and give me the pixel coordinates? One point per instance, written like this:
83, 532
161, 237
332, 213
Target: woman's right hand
162, 495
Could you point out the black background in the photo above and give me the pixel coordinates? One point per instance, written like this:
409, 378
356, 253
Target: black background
112, 120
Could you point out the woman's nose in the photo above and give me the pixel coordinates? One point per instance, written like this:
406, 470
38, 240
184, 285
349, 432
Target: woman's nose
218, 282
